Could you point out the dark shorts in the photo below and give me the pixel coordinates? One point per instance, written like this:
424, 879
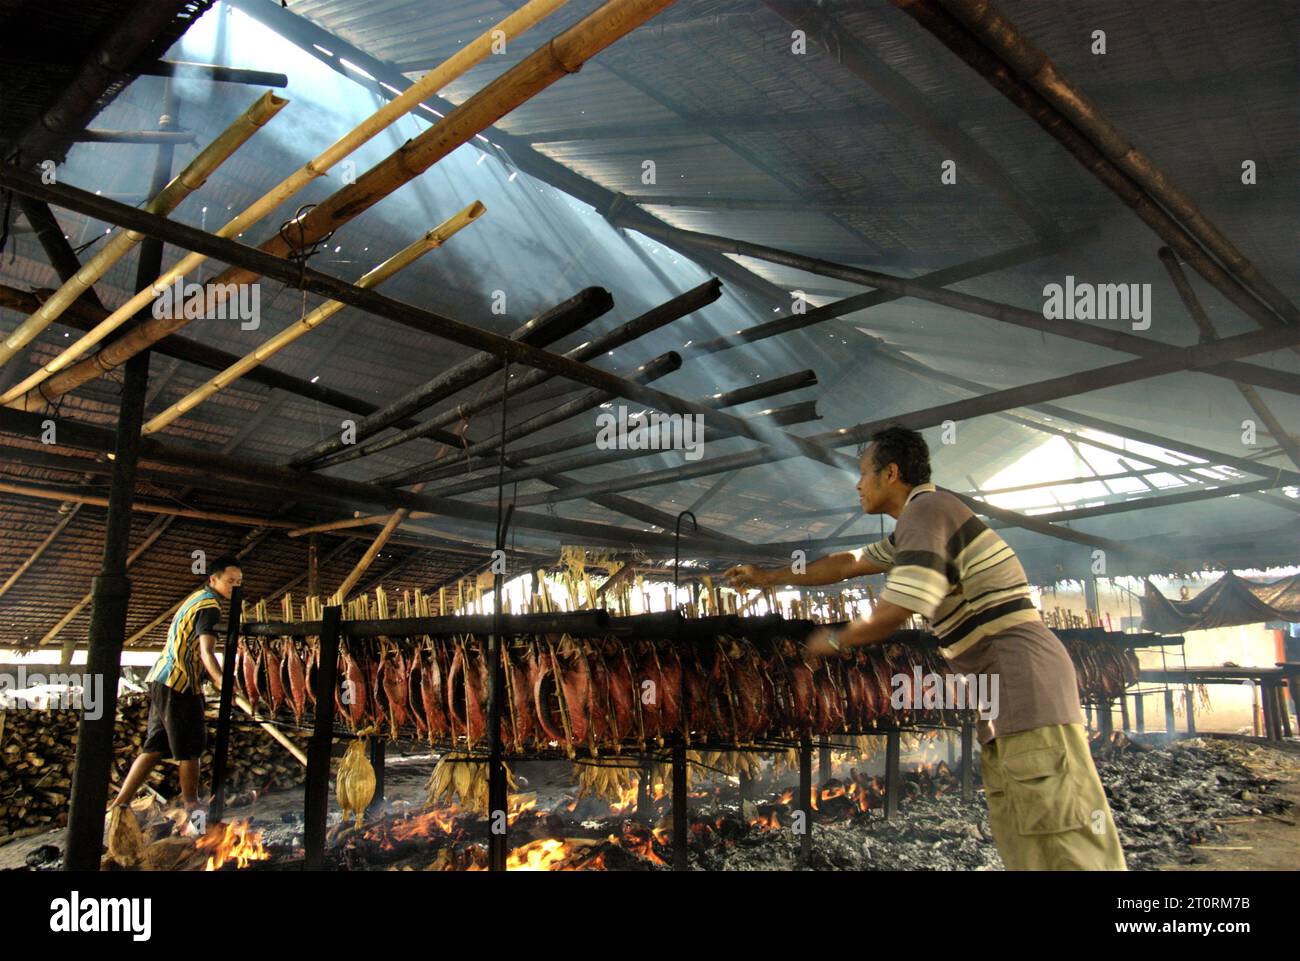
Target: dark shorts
175, 723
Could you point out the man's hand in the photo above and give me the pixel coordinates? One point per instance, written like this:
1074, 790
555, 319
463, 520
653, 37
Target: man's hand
884, 621
819, 645
744, 576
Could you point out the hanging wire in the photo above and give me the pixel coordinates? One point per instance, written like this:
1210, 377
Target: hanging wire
501, 450
4, 226
301, 250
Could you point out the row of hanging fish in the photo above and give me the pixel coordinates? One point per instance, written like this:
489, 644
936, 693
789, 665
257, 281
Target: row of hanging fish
600, 694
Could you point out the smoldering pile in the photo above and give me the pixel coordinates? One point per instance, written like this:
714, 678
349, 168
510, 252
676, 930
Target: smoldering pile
1166, 799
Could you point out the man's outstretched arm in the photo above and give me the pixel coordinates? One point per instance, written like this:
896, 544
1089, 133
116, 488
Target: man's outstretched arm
830, 569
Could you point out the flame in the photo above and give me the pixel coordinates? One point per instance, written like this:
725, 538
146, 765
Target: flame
232, 842
626, 801
437, 821
548, 854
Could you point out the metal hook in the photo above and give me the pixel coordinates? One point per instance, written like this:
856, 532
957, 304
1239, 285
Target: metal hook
677, 547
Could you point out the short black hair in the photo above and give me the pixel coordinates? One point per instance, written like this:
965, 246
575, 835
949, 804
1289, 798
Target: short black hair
907, 449
219, 565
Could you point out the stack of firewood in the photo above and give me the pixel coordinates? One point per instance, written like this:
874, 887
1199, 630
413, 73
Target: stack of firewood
38, 750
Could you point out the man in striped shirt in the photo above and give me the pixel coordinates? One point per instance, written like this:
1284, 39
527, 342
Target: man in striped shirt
175, 685
1047, 807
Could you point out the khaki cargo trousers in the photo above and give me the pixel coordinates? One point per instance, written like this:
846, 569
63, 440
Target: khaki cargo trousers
1047, 807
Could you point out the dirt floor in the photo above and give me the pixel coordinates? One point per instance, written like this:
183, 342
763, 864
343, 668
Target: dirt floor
1265, 842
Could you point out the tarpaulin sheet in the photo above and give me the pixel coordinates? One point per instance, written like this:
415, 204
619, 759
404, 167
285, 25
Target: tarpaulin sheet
1228, 602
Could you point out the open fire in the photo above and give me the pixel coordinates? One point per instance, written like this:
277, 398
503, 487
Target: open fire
234, 841
581, 833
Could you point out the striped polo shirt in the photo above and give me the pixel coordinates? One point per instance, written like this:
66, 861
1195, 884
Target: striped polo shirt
178, 666
947, 565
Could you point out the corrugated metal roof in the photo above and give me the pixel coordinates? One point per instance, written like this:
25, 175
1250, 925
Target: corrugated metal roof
720, 97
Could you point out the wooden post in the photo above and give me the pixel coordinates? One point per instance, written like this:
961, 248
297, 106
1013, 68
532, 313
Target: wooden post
681, 816
378, 756
893, 776
112, 589
313, 566
644, 812
967, 760
803, 800
1270, 719
317, 787
226, 704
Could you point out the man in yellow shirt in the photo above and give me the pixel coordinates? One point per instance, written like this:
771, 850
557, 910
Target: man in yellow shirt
175, 685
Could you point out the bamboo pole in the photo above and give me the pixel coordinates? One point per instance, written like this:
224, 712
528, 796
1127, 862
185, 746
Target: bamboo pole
90, 135
220, 517
399, 261
1036, 68
84, 316
404, 313
455, 66
370, 554
272, 730
196, 172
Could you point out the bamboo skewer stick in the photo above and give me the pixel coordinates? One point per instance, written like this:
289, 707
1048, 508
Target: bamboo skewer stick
399, 261
190, 179
452, 68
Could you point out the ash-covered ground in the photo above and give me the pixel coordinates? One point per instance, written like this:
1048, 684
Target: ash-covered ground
1164, 797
